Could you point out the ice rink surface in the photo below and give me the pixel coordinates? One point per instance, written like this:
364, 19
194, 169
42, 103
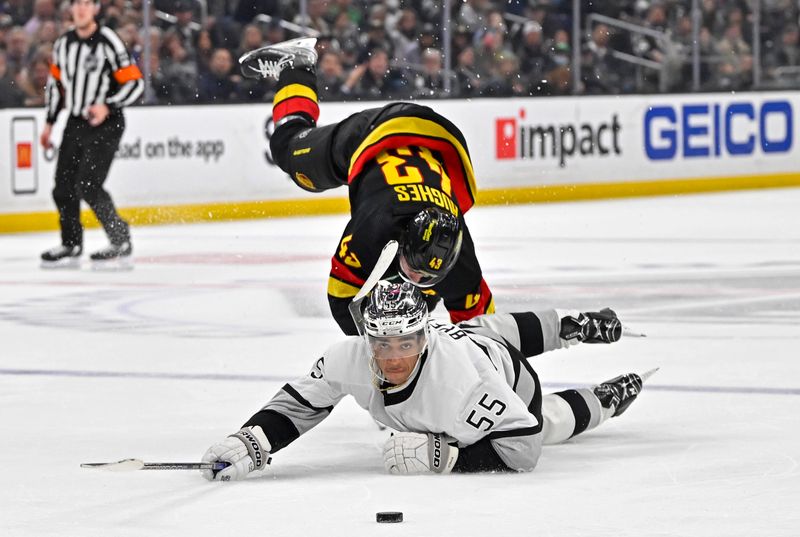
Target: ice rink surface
161, 362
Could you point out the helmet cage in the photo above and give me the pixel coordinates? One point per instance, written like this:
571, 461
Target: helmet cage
395, 323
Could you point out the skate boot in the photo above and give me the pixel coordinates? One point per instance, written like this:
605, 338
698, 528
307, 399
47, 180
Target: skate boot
592, 327
269, 61
62, 257
619, 392
113, 257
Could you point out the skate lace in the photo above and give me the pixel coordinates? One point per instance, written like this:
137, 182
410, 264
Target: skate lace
272, 68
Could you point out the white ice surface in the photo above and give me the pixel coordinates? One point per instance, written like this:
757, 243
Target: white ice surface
160, 362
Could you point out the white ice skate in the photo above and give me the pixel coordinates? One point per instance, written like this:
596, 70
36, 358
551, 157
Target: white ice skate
62, 257
270, 61
115, 257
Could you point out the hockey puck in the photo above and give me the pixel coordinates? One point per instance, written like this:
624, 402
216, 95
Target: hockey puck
389, 517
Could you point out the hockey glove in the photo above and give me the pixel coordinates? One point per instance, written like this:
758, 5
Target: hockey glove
592, 327
246, 451
417, 453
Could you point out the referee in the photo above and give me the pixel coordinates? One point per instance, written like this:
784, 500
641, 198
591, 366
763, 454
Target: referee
92, 77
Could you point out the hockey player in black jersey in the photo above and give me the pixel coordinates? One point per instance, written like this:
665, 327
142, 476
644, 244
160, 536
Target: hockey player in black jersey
461, 398
409, 176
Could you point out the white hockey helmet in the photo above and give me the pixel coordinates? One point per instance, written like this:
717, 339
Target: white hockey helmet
395, 322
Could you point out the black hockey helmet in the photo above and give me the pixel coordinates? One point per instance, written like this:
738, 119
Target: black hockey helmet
430, 247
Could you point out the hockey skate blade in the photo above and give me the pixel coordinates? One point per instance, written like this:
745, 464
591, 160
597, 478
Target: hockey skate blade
121, 264
125, 465
647, 374
67, 263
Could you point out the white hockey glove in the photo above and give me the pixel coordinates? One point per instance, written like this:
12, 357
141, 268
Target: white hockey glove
417, 453
246, 451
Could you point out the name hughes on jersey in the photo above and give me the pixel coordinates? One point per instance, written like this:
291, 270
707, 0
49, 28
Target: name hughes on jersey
420, 192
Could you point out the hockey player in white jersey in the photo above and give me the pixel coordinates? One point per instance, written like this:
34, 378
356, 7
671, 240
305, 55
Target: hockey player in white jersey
461, 398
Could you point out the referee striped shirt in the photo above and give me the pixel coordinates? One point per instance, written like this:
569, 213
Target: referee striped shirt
95, 70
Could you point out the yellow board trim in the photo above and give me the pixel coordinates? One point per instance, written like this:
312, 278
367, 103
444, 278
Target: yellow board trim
423, 127
634, 189
340, 289
294, 90
170, 214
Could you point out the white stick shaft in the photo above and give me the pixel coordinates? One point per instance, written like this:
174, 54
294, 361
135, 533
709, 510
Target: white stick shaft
127, 465
388, 254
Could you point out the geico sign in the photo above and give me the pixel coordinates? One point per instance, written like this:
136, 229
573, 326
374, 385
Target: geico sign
711, 130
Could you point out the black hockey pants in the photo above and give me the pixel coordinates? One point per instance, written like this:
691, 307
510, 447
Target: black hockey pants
84, 160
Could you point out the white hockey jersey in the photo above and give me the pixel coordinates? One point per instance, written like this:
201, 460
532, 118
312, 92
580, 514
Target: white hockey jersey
473, 384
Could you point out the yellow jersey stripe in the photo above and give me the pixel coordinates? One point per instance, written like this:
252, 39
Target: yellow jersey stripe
294, 90
339, 289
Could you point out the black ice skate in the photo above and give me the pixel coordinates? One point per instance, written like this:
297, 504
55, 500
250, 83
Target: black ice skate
592, 327
62, 257
269, 61
618, 393
114, 257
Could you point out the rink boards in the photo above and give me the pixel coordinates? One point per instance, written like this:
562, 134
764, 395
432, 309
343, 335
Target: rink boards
190, 163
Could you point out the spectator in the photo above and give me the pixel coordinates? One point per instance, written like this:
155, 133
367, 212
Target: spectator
430, 82
33, 80
18, 44
274, 32
787, 54
345, 31
20, 11
252, 38
375, 38
472, 14
346, 7
468, 78
375, 80
47, 34
219, 84
491, 42
404, 37
10, 95
183, 28
531, 49
462, 39
330, 77
735, 70
315, 17
43, 10
129, 34
601, 74
180, 71
506, 80
558, 81
204, 50
429, 36
559, 51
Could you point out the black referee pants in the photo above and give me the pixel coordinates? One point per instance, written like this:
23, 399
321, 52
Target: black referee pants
83, 162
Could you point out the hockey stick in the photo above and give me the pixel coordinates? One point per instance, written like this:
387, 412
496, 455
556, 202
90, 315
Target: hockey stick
126, 465
381, 265
647, 374
627, 332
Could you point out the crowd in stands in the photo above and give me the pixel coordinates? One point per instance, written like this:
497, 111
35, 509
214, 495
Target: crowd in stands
393, 49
